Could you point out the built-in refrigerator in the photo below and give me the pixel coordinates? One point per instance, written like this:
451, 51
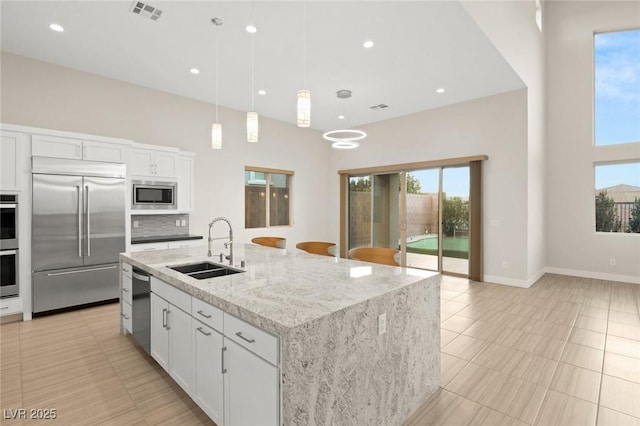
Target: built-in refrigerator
78, 231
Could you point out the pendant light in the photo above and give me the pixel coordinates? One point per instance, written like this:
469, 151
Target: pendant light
252, 116
216, 128
303, 116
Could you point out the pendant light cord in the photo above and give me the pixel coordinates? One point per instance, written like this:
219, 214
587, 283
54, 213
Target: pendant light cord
217, 49
304, 44
252, 71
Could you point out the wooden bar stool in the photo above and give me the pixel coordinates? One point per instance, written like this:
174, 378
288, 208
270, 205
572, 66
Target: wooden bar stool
383, 255
316, 247
276, 242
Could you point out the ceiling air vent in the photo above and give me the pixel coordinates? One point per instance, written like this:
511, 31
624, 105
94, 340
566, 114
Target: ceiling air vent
146, 10
379, 107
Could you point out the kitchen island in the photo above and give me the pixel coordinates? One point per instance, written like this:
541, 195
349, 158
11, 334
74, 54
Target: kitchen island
357, 343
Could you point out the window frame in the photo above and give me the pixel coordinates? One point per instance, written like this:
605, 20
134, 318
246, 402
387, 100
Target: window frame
267, 174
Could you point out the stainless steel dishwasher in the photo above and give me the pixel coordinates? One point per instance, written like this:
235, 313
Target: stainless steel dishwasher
141, 283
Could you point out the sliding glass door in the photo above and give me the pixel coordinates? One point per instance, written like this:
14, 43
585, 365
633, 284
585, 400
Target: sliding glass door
455, 220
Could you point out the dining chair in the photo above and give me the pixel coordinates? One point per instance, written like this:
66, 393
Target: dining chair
276, 242
383, 255
316, 247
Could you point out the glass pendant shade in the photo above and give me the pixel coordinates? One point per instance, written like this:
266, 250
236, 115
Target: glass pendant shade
252, 126
304, 108
216, 136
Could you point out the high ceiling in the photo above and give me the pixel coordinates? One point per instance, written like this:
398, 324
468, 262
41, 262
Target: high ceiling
419, 47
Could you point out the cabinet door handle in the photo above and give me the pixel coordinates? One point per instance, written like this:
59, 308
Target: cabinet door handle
249, 340
206, 333
164, 318
224, 349
203, 314
124, 316
126, 290
168, 326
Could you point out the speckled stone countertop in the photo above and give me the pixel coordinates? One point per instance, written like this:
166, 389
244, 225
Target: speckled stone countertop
335, 366
280, 289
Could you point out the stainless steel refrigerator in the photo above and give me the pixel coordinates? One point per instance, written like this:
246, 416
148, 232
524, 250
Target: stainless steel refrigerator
78, 230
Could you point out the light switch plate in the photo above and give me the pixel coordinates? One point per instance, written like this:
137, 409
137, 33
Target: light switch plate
184, 222
135, 224
177, 222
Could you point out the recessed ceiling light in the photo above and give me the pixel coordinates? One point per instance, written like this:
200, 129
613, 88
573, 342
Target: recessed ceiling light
367, 44
440, 90
341, 117
262, 92
194, 71
251, 29
56, 27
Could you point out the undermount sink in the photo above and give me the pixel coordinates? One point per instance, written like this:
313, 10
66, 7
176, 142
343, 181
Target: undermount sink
204, 270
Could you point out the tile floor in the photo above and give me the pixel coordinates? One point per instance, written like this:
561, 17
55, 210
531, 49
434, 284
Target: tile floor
564, 352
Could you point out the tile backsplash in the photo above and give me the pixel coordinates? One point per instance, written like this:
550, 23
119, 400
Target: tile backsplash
157, 225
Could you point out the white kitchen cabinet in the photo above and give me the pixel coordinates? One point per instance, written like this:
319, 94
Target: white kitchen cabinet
11, 144
251, 388
171, 336
10, 306
127, 298
149, 246
208, 382
185, 243
79, 149
153, 163
185, 181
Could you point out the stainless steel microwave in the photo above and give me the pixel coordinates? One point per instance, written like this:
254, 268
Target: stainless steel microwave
154, 195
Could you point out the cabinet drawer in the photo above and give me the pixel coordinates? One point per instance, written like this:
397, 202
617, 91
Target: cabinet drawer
171, 294
127, 317
253, 338
127, 291
126, 269
10, 305
149, 246
206, 313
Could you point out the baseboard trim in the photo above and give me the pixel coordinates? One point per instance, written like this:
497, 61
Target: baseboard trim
595, 275
493, 279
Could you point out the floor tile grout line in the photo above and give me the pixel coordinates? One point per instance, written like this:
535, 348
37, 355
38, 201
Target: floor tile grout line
555, 370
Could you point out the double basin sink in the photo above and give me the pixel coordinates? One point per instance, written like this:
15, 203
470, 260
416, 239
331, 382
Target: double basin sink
204, 270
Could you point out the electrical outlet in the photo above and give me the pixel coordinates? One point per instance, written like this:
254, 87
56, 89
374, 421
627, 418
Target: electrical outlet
135, 224
612, 261
505, 265
177, 222
184, 222
382, 323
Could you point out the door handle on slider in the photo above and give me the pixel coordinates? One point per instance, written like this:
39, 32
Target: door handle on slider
249, 340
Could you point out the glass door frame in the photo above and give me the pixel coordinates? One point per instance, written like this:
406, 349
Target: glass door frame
475, 271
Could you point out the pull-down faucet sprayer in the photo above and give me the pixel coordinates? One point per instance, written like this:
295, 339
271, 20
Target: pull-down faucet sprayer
228, 244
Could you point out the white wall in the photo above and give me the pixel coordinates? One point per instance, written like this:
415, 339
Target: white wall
48, 96
495, 126
511, 27
573, 246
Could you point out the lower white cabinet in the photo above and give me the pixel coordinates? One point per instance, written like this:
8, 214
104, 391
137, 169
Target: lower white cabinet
171, 340
232, 382
208, 391
251, 387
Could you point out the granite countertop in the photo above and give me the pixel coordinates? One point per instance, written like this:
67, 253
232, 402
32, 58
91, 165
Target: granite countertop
281, 289
165, 238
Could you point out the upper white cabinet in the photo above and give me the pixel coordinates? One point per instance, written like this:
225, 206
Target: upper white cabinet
154, 162
11, 146
185, 181
79, 149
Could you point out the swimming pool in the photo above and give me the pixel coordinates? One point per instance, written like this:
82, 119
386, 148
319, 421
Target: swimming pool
457, 247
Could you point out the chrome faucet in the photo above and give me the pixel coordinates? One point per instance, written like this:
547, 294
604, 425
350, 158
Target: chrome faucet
228, 244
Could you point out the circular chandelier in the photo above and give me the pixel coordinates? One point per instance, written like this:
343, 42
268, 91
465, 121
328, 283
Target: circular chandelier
346, 138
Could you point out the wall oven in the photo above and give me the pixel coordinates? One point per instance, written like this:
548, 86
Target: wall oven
8, 245
154, 195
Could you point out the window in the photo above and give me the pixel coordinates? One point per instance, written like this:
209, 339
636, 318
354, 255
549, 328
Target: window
267, 196
617, 198
617, 87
